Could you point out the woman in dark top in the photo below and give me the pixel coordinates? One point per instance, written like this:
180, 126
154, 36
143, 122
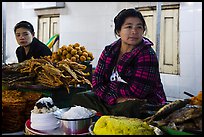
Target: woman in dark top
29, 45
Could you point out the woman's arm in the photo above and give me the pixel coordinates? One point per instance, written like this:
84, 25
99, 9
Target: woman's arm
101, 81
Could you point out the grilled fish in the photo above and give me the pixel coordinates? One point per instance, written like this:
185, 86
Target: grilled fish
167, 109
181, 115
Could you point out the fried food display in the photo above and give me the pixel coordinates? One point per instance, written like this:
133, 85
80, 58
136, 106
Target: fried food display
74, 52
197, 100
44, 72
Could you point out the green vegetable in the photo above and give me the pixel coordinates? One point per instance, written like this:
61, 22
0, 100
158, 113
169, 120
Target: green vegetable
171, 131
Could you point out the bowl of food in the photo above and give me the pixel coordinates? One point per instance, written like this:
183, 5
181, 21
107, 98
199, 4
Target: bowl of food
119, 125
76, 120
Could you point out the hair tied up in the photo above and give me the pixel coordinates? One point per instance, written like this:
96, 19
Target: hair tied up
116, 18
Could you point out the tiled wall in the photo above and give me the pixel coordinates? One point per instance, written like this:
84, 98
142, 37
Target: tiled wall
190, 52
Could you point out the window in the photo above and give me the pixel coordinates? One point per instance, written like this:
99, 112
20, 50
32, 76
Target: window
48, 27
169, 29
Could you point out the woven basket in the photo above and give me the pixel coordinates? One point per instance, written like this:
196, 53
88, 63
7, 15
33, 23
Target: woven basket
16, 107
13, 114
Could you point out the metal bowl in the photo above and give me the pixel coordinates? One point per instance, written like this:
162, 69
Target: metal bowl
75, 126
91, 127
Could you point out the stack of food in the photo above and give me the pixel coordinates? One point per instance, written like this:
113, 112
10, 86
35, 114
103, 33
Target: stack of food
74, 52
16, 106
45, 73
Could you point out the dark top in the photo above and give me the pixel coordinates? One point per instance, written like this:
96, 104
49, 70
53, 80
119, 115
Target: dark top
37, 49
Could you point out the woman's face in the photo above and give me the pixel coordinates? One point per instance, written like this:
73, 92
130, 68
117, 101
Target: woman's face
23, 36
132, 31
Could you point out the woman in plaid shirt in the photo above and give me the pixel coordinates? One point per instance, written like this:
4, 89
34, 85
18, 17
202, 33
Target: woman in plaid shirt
127, 74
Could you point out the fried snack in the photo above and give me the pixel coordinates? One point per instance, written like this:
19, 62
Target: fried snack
197, 100
74, 52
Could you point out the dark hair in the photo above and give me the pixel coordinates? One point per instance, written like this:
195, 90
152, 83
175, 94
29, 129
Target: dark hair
24, 24
125, 13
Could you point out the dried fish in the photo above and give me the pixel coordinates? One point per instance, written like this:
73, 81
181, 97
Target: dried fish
165, 110
68, 69
63, 73
181, 115
23, 78
81, 72
13, 67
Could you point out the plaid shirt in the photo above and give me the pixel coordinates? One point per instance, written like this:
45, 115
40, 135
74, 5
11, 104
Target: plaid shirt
139, 68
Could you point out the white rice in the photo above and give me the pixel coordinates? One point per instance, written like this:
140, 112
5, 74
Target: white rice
77, 112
